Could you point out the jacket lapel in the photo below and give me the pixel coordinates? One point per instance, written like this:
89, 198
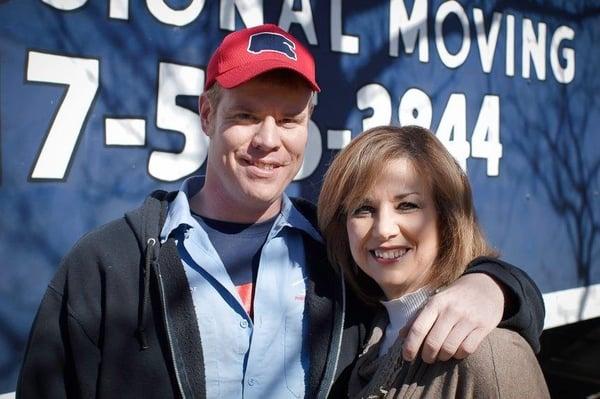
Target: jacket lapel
181, 323
325, 310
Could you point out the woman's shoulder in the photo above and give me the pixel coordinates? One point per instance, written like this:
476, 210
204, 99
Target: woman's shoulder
501, 347
506, 364
500, 344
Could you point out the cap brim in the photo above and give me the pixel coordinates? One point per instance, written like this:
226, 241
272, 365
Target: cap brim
237, 76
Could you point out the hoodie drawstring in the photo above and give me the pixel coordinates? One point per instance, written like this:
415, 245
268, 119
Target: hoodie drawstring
151, 259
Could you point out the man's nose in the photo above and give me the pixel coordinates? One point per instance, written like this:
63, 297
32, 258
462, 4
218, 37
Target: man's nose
267, 137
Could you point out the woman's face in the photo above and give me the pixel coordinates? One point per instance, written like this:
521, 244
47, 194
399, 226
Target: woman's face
393, 231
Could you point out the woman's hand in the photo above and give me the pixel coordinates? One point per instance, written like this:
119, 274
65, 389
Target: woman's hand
455, 321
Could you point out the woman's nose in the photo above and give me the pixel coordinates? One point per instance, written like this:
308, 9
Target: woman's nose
385, 226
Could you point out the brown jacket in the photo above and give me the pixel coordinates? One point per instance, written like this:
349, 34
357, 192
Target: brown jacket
503, 366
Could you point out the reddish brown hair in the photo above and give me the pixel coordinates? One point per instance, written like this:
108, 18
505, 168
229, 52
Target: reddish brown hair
352, 175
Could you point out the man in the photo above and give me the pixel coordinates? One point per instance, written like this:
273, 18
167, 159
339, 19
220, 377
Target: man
223, 288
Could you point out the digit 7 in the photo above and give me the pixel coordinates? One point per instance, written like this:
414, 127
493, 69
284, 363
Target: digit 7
81, 76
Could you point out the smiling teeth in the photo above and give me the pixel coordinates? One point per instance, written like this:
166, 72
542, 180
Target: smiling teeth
390, 253
263, 165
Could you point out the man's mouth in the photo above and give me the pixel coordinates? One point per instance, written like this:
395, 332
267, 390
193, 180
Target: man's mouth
262, 165
388, 254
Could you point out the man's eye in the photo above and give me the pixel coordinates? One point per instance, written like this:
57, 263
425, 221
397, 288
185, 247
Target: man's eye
244, 116
288, 122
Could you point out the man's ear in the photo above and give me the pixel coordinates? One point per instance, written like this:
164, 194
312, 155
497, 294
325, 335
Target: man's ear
206, 114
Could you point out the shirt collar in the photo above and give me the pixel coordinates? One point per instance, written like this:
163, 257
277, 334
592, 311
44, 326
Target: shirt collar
291, 217
179, 209
179, 213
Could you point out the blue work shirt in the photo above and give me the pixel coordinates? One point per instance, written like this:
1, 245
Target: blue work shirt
267, 357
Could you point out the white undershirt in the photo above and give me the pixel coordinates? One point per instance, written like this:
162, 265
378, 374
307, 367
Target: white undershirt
402, 311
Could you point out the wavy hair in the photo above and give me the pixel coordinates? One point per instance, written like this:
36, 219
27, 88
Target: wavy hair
352, 175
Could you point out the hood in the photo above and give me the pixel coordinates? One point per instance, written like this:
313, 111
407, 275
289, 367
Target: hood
146, 223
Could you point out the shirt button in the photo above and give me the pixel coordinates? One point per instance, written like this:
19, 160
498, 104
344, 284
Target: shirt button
252, 382
244, 323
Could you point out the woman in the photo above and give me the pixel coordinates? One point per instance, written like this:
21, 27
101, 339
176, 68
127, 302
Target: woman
397, 214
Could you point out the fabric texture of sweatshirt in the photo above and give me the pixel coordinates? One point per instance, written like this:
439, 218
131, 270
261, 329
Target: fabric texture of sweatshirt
504, 366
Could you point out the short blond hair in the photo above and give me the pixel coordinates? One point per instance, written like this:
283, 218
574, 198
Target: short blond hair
279, 76
352, 175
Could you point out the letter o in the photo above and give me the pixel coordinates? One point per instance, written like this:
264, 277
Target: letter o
167, 15
449, 59
65, 5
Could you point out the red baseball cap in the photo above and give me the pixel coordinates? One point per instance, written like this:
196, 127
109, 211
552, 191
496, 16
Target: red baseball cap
247, 53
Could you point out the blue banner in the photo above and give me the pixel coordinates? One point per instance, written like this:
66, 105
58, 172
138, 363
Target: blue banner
98, 107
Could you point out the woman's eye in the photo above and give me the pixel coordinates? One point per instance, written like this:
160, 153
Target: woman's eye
407, 206
363, 211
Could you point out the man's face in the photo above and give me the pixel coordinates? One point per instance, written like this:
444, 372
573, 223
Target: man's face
258, 134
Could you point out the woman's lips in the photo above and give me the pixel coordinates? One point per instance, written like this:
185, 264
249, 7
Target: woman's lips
388, 255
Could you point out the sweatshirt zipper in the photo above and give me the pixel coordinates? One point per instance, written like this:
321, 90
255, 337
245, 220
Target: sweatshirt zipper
169, 337
340, 333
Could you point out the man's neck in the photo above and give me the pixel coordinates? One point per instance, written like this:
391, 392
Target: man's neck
212, 205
